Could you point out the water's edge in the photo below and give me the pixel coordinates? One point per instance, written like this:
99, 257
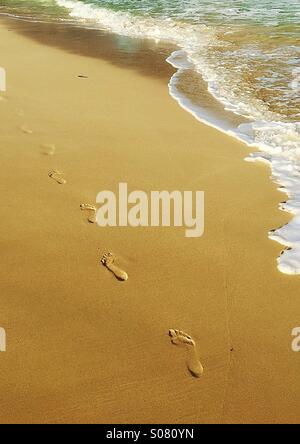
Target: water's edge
273, 139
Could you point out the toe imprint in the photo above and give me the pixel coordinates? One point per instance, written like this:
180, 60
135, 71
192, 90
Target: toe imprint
108, 260
179, 337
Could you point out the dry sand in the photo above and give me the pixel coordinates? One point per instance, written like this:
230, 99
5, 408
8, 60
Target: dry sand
84, 347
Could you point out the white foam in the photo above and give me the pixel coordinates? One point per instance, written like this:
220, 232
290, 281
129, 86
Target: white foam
179, 60
279, 143
277, 140
138, 26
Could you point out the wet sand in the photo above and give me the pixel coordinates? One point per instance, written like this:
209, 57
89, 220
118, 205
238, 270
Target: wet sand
83, 347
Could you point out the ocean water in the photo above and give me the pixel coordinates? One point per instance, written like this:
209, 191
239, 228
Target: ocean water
248, 54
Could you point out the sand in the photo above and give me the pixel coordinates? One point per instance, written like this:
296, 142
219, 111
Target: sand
83, 347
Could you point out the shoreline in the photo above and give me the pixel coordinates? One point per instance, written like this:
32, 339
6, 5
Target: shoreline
167, 62
83, 347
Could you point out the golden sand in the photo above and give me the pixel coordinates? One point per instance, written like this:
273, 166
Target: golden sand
85, 347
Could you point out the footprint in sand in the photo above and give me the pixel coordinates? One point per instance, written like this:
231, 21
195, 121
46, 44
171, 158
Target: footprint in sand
26, 130
182, 339
57, 176
48, 150
92, 211
108, 261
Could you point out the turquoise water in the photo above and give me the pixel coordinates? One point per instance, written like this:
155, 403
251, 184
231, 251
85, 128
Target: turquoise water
263, 12
37, 9
247, 52
266, 13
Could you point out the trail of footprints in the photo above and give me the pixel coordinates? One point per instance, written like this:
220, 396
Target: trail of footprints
178, 337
